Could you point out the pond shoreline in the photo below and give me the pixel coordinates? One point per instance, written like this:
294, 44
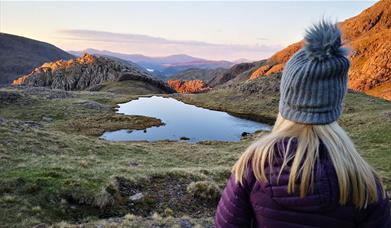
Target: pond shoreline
249, 116
186, 122
181, 97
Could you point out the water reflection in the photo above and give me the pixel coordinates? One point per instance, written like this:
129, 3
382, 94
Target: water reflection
182, 121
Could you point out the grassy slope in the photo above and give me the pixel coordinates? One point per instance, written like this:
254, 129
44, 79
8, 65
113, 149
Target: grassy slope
129, 87
262, 109
51, 172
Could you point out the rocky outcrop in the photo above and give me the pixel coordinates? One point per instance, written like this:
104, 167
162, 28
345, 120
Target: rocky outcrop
86, 72
267, 70
18, 55
190, 86
368, 35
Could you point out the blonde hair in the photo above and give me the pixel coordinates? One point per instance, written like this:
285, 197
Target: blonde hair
356, 179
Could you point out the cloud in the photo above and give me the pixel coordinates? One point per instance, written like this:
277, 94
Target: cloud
150, 45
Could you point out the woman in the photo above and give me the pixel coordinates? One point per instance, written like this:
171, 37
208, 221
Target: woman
306, 172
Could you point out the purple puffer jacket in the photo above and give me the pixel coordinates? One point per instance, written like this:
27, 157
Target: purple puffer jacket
256, 204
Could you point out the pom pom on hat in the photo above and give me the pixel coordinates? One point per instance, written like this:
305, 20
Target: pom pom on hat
323, 40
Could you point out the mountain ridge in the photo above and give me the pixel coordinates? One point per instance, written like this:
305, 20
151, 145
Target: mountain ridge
18, 55
163, 66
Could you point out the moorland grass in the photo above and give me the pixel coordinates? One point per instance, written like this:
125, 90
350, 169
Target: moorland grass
53, 173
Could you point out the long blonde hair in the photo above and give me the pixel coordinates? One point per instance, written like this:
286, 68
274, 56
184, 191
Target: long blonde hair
356, 179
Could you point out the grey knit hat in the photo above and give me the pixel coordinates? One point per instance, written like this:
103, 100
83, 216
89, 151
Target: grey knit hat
314, 80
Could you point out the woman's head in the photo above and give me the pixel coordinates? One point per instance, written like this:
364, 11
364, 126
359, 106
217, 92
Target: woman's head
313, 86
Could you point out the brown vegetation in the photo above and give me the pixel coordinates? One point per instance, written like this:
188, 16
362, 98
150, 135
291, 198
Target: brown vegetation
190, 86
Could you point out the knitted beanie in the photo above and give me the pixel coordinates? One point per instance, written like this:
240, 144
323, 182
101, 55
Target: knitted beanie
314, 80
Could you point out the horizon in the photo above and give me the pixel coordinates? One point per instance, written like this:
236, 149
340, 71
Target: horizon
150, 56
208, 30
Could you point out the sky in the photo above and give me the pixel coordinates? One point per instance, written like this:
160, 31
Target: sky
212, 30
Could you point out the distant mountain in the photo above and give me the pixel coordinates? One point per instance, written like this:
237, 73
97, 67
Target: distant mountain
369, 36
137, 58
232, 73
162, 67
91, 73
19, 55
198, 74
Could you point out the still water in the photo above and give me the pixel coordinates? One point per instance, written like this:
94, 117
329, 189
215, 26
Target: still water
182, 120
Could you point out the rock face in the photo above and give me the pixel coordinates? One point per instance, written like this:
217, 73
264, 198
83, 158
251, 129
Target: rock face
368, 35
18, 55
86, 72
190, 86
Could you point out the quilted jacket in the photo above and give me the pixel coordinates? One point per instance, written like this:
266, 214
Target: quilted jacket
269, 205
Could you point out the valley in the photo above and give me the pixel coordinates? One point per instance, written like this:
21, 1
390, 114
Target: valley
99, 138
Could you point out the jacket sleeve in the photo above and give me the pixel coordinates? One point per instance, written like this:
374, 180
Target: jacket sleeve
378, 215
234, 208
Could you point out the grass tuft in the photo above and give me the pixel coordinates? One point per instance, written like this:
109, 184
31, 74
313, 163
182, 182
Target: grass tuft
206, 190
